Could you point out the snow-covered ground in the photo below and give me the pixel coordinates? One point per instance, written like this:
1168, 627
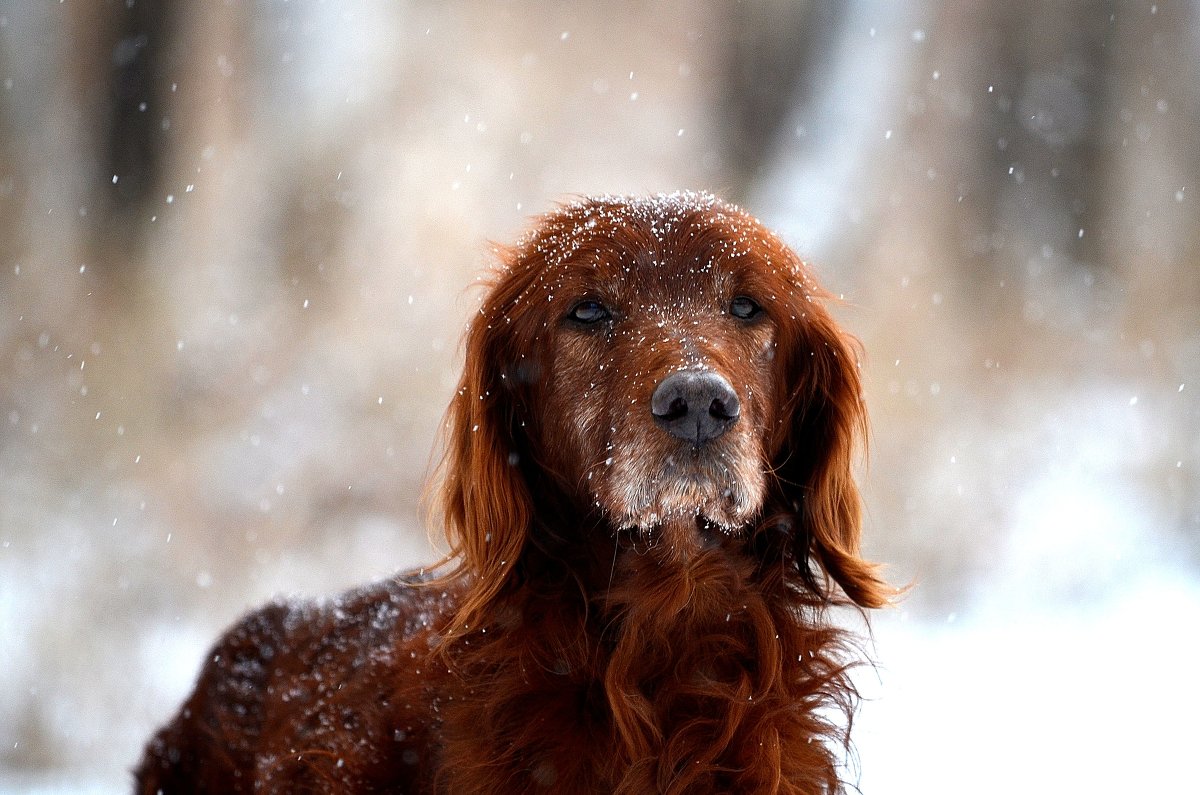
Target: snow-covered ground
1098, 698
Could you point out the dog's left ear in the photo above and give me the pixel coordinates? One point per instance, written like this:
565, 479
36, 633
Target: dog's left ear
824, 428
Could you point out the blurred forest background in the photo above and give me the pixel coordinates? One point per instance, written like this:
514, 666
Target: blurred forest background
237, 244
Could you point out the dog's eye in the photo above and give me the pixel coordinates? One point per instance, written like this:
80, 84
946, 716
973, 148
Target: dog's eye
588, 312
744, 307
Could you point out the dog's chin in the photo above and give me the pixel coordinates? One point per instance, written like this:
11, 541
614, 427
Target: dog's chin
688, 512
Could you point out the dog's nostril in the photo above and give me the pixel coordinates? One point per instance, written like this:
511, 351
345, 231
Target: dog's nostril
720, 409
695, 406
677, 410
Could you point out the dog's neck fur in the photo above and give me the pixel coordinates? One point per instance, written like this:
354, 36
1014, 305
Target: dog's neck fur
670, 679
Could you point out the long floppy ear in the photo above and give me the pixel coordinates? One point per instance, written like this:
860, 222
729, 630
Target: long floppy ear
825, 425
485, 500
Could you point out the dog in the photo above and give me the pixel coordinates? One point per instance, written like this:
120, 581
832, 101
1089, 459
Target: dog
647, 487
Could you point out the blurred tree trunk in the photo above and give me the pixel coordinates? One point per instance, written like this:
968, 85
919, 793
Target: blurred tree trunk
1153, 216
773, 56
1012, 117
123, 66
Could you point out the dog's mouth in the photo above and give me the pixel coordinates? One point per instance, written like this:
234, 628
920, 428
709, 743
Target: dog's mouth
689, 489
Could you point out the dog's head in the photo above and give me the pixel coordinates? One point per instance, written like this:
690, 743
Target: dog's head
664, 365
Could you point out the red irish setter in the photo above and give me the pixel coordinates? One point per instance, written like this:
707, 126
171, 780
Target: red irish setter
647, 488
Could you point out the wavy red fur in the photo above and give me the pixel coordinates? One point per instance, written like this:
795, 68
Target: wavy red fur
633, 604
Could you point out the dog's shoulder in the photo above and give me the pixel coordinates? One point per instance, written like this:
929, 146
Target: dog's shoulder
275, 680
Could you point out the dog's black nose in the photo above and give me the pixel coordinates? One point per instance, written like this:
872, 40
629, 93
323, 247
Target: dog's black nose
696, 406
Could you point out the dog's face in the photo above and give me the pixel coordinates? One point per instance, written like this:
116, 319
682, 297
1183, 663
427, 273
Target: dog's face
655, 392
660, 378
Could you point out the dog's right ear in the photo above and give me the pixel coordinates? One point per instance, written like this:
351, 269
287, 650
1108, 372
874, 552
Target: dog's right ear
485, 500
